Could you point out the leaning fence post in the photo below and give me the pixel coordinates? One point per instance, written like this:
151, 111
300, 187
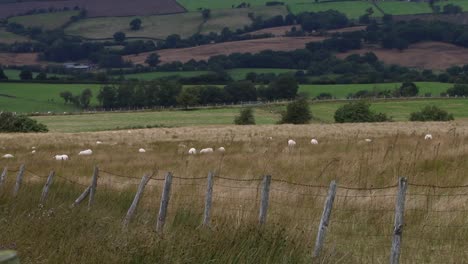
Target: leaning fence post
45, 190
81, 197
325, 220
265, 199
3, 176
92, 190
19, 180
164, 203
136, 200
208, 200
399, 215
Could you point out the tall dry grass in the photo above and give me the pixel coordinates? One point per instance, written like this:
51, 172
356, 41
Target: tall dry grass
361, 227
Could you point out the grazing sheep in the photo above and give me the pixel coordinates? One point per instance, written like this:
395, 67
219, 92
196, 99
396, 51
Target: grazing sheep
291, 143
192, 151
222, 149
33, 148
98, 142
428, 137
61, 157
33, 152
8, 156
85, 152
142, 150
368, 140
314, 141
270, 138
206, 151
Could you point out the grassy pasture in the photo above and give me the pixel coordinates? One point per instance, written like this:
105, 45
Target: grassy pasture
9, 38
35, 97
361, 222
46, 21
323, 112
341, 91
185, 24
404, 7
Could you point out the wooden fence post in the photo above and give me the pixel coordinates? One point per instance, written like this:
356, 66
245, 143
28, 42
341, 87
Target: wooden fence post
3, 176
164, 203
19, 180
81, 197
325, 220
399, 215
265, 199
136, 200
92, 191
45, 190
208, 200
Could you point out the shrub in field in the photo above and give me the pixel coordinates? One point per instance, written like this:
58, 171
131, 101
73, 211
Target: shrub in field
297, 112
358, 112
407, 89
431, 113
458, 90
119, 36
26, 75
246, 117
135, 24
10, 122
3, 75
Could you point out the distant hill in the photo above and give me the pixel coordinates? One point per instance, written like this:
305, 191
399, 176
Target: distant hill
96, 8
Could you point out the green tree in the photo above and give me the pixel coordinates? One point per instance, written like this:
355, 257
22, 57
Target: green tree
119, 36
26, 75
358, 112
135, 24
245, 117
284, 87
188, 97
153, 60
41, 76
408, 89
107, 96
431, 113
13, 123
85, 98
206, 14
297, 112
3, 75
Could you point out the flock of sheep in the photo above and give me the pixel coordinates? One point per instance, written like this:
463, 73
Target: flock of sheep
192, 151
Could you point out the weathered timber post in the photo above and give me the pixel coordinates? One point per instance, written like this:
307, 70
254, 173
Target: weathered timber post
208, 200
136, 200
164, 203
325, 220
45, 190
81, 197
265, 200
399, 216
3, 176
92, 191
19, 180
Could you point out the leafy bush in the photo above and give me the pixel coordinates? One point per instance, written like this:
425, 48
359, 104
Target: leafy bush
431, 113
358, 112
297, 112
10, 122
407, 89
245, 117
458, 90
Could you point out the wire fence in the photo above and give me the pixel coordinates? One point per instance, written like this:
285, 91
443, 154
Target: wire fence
362, 225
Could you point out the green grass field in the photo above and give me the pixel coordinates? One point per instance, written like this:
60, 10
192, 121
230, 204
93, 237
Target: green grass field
239, 74
46, 21
160, 27
404, 8
14, 74
323, 112
9, 38
34, 97
341, 91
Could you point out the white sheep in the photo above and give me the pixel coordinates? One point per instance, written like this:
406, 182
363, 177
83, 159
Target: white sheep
33, 148
206, 151
98, 142
33, 152
192, 151
270, 138
368, 140
8, 156
428, 137
85, 152
61, 157
314, 141
221, 149
291, 143
142, 150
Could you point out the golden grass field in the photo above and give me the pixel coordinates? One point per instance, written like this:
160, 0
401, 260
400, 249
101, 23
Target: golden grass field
361, 222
